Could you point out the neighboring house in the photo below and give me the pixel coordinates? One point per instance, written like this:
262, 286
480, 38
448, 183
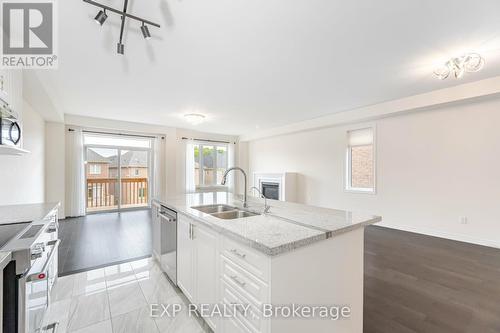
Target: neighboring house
97, 165
133, 165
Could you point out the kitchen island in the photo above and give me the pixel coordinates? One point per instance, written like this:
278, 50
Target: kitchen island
295, 269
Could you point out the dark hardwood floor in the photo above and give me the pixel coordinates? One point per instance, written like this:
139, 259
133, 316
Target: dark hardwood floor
98, 240
417, 283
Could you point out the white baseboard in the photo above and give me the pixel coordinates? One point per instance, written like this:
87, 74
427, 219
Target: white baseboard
443, 234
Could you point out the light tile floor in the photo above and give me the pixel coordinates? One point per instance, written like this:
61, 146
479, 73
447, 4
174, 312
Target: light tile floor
116, 299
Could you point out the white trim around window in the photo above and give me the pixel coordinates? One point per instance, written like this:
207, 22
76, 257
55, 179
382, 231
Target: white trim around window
356, 136
214, 186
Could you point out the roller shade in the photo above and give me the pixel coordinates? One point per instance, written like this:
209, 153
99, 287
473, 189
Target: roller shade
360, 137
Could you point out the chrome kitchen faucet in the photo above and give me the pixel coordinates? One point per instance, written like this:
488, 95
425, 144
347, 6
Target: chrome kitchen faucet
224, 180
266, 206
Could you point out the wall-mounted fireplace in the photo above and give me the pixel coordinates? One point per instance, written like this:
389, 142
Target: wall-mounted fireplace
270, 190
276, 186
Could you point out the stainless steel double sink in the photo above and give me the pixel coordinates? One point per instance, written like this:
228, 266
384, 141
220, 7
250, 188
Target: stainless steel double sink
224, 212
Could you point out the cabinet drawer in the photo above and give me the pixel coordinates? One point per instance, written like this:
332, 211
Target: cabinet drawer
252, 319
244, 282
251, 260
233, 325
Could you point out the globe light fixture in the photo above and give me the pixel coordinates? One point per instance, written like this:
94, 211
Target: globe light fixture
458, 66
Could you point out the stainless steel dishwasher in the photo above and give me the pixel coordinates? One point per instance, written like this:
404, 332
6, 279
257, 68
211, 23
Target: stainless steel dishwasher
168, 255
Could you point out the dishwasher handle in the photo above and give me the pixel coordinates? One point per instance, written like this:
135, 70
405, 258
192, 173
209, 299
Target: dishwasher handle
167, 218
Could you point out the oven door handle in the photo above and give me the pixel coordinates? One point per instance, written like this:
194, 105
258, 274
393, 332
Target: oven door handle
42, 275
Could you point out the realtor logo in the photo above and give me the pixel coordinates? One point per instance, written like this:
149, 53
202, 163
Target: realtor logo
28, 34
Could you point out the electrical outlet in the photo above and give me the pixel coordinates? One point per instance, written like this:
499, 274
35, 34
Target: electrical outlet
463, 220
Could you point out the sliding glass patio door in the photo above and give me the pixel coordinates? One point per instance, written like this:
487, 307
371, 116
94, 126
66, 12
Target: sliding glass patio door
103, 184
116, 177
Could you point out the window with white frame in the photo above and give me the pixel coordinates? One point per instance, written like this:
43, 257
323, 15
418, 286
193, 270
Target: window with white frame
210, 163
360, 160
95, 169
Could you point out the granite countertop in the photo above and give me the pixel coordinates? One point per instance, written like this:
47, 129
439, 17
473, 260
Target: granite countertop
26, 213
288, 225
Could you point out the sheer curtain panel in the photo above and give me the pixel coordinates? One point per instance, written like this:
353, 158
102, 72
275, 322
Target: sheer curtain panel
75, 173
190, 164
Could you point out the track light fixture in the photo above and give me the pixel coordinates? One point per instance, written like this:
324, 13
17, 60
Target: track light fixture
145, 31
102, 16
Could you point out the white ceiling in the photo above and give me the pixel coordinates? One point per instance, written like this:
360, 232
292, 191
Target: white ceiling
251, 64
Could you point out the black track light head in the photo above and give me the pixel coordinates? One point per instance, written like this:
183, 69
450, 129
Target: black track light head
120, 48
101, 17
145, 31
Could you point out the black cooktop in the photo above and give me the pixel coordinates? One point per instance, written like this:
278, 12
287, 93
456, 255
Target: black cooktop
9, 231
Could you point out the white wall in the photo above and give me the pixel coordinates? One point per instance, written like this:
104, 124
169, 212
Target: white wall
35, 94
432, 168
23, 177
55, 164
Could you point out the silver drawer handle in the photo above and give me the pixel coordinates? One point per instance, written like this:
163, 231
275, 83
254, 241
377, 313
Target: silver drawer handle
238, 253
51, 327
238, 306
238, 281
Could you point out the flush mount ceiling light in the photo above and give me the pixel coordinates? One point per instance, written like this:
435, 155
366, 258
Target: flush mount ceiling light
102, 16
458, 66
194, 118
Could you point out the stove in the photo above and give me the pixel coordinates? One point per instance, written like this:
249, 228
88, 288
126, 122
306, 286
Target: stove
10, 231
30, 276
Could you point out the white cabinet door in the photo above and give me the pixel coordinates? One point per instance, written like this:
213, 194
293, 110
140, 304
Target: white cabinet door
205, 267
185, 262
197, 263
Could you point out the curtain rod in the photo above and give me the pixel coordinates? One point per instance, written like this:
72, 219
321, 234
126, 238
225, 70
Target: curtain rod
206, 140
120, 134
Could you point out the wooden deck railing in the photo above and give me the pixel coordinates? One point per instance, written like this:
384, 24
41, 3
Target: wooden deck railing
102, 193
134, 191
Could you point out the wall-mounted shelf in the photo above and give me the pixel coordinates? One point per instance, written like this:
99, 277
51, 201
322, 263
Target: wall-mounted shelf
10, 150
